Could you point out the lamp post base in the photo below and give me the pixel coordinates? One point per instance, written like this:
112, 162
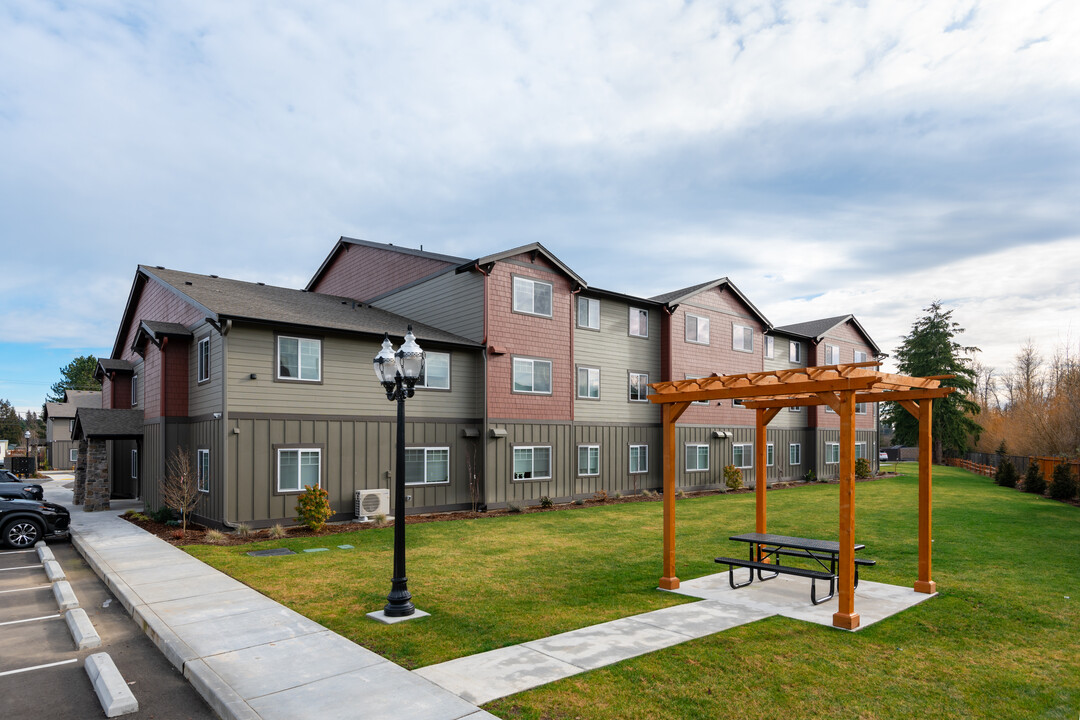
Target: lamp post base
400, 599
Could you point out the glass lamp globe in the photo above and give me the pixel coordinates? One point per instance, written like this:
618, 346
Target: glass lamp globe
386, 362
411, 357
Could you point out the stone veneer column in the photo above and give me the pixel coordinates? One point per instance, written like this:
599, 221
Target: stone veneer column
80, 473
98, 487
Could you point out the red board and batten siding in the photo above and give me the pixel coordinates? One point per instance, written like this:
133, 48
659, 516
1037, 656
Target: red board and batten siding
529, 336
361, 272
849, 339
723, 309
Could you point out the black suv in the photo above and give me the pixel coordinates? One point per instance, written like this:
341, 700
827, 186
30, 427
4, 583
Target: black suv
9, 481
24, 522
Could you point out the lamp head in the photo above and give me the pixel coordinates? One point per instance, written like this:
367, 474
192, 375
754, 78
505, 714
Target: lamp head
386, 363
410, 358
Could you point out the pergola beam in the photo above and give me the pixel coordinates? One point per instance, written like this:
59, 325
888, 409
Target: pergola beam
862, 396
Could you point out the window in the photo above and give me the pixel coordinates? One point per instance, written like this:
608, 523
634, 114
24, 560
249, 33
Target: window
202, 470
532, 376
794, 454
738, 402
832, 453
204, 359
797, 408
832, 354
299, 359
770, 455
427, 466
436, 371
298, 468
697, 458
742, 338
639, 387
860, 408
742, 455
532, 463
769, 343
639, 458
639, 322
860, 450
73, 455
532, 297
71, 427
860, 356
134, 391
795, 352
588, 313
588, 383
698, 377
697, 329
828, 409
588, 460
134, 464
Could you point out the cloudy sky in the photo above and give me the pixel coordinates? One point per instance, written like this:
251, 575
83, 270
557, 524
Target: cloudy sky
828, 157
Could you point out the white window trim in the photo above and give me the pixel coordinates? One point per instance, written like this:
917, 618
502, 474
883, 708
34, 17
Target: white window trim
738, 402
863, 406
686, 457
533, 281
832, 354
698, 319
795, 408
513, 381
134, 391
856, 354
588, 448
297, 450
427, 449
828, 451
736, 329
202, 481
533, 448
643, 452
590, 303
630, 386
630, 325
203, 372
71, 427
134, 464
299, 362
795, 348
770, 346
697, 377
73, 455
588, 382
770, 455
865, 448
798, 453
427, 356
745, 452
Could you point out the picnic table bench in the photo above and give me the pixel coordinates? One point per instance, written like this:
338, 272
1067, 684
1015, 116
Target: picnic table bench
764, 546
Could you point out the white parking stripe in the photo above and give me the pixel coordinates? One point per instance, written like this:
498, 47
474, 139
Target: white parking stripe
38, 667
16, 622
32, 587
21, 567
15, 552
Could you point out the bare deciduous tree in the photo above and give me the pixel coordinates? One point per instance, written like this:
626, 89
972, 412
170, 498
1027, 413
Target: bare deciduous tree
180, 486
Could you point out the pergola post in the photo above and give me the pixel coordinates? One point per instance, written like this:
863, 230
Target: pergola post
924, 584
761, 471
846, 617
670, 414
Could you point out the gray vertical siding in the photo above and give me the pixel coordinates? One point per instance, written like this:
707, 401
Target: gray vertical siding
831, 436
451, 301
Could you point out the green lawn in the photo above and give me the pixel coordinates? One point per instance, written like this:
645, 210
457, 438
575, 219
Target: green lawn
1000, 641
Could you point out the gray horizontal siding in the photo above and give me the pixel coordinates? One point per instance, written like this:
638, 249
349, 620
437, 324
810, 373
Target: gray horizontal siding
206, 398
452, 301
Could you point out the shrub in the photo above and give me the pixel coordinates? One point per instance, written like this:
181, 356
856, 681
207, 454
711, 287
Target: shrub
1063, 485
1034, 481
545, 501
810, 476
214, 536
599, 496
276, 531
162, 515
862, 468
1006, 475
732, 477
242, 530
617, 495
176, 534
313, 507
680, 494
579, 501
380, 519
513, 507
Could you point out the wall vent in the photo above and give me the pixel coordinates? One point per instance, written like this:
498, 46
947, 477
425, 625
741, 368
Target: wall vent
372, 502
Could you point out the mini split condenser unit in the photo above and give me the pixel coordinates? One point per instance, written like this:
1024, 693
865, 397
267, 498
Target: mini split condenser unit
372, 502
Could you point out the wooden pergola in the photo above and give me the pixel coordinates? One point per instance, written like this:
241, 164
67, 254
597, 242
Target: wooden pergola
840, 387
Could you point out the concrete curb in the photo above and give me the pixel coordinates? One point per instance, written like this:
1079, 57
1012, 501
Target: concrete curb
82, 630
44, 553
176, 651
65, 596
225, 701
113, 693
53, 571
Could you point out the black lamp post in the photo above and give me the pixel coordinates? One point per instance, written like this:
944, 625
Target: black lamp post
27, 436
398, 373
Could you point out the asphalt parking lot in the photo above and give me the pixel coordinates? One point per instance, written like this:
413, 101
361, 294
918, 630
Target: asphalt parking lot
41, 672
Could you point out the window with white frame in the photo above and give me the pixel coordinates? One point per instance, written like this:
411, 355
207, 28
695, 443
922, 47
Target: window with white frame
588, 313
794, 454
697, 329
770, 343
588, 460
203, 356
860, 408
436, 371
738, 402
73, 455
202, 470
770, 455
299, 359
588, 383
532, 297
427, 466
828, 409
832, 354
532, 376
795, 351
832, 453
532, 462
639, 322
134, 390
697, 377
742, 455
860, 356
860, 450
742, 338
639, 387
639, 458
697, 458
795, 408
71, 427
298, 468
134, 464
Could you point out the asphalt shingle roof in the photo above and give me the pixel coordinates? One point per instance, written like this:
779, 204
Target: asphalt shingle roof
674, 294
103, 423
813, 328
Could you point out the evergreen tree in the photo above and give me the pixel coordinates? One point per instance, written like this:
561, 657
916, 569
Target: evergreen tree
931, 349
10, 424
77, 375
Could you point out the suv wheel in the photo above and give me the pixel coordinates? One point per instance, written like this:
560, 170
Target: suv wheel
21, 534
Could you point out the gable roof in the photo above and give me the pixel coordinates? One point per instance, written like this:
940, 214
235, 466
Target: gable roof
535, 248
111, 365
104, 423
343, 244
74, 399
816, 329
153, 331
223, 299
673, 298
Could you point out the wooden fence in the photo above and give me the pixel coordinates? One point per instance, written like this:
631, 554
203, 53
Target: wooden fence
987, 470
